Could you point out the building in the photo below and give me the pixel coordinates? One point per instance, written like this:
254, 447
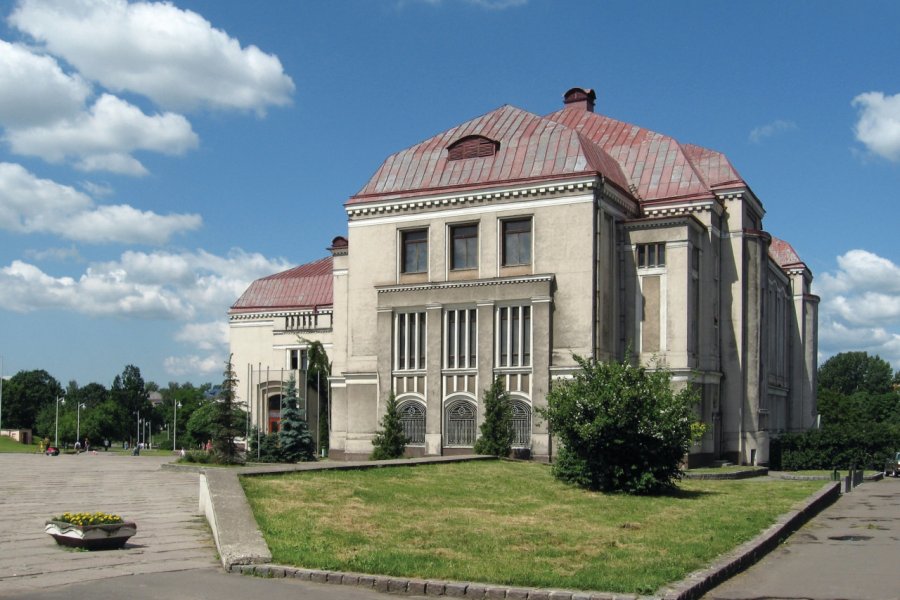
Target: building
506, 245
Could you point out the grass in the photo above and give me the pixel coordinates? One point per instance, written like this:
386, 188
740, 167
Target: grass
7, 444
508, 523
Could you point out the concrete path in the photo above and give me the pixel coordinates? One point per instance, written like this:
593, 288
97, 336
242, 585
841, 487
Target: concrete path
850, 551
171, 534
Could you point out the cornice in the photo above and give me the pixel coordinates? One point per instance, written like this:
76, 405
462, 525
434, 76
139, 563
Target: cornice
672, 209
447, 285
252, 316
471, 198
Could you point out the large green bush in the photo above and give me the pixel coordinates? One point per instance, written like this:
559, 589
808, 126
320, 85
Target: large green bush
622, 428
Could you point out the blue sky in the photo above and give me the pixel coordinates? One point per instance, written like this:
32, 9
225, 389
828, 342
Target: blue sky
156, 158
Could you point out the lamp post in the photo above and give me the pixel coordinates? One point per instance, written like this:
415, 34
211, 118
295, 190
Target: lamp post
56, 435
175, 425
78, 408
147, 438
137, 425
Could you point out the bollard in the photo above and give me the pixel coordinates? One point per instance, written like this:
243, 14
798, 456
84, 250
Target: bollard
847, 484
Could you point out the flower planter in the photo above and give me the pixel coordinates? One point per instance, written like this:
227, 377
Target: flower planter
91, 537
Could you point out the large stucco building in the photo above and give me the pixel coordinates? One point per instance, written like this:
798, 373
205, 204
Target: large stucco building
504, 246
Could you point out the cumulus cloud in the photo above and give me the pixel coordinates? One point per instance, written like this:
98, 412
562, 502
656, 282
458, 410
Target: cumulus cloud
103, 138
55, 254
158, 285
35, 90
174, 57
860, 308
192, 365
29, 204
771, 129
205, 336
878, 127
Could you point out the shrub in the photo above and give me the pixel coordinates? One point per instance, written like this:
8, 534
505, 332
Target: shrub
390, 442
295, 442
622, 427
496, 430
196, 456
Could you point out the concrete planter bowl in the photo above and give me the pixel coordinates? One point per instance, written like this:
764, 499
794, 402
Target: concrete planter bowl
91, 537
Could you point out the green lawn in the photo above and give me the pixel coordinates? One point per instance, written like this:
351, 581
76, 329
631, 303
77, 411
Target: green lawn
508, 523
7, 444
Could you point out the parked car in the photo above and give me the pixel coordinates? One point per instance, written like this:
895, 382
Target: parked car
892, 466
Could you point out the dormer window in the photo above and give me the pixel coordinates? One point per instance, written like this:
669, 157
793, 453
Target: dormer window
472, 146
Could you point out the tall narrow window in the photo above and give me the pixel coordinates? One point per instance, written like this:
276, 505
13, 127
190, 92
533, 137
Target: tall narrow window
521, 424
516, 237
414, 258
409, 341
460, 424
460, 339
651, 255
464, 247
299, 359
513, 342
412, 419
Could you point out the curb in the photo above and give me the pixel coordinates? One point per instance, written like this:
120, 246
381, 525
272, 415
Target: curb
744, 474
698, 583
243, 549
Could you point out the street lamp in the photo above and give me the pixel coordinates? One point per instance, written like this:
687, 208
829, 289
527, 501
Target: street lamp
56, 436
137, 426
147, 434
78, 408
175, 425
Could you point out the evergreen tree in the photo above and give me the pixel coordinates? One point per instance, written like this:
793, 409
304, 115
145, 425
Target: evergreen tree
296, 443
390, 442
227, 423
496, 430
317, 374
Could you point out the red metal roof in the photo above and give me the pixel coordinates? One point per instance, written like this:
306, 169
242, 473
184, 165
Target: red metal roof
530, 147
658, 166
784, 254
571, 141
306, 286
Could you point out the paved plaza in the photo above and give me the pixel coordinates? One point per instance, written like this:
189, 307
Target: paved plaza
171, 535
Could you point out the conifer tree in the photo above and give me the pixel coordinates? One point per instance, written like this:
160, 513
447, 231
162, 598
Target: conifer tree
226, 420
390, 442
496, 430
295, 440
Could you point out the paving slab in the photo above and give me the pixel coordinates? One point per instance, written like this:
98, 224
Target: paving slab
171, 534
849, 551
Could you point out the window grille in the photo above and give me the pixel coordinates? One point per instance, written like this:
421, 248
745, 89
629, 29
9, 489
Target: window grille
513, 341
521, 424
460, 419
412, 418
460, 339
409, 341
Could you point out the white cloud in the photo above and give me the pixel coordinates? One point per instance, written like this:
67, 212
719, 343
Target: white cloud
104, 137
159, 285
29, 204
55, 254
771, 129
878, 127
96, 190
860, 308
34, 90
205, 336
173, 56
193, 365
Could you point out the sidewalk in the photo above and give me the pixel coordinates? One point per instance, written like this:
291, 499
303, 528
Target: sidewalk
850, 551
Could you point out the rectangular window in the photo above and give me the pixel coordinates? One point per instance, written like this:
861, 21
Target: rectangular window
414, 248
460, 339
516, 238
513, 343
409, 341
651, 255
298, 360
464, 247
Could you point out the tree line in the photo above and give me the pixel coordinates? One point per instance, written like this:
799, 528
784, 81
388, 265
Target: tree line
31, 400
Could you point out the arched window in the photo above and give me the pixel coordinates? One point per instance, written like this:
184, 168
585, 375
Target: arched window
460, 421
521, 422
412, 417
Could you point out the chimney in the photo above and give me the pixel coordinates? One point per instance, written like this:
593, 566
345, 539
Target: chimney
580, 98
